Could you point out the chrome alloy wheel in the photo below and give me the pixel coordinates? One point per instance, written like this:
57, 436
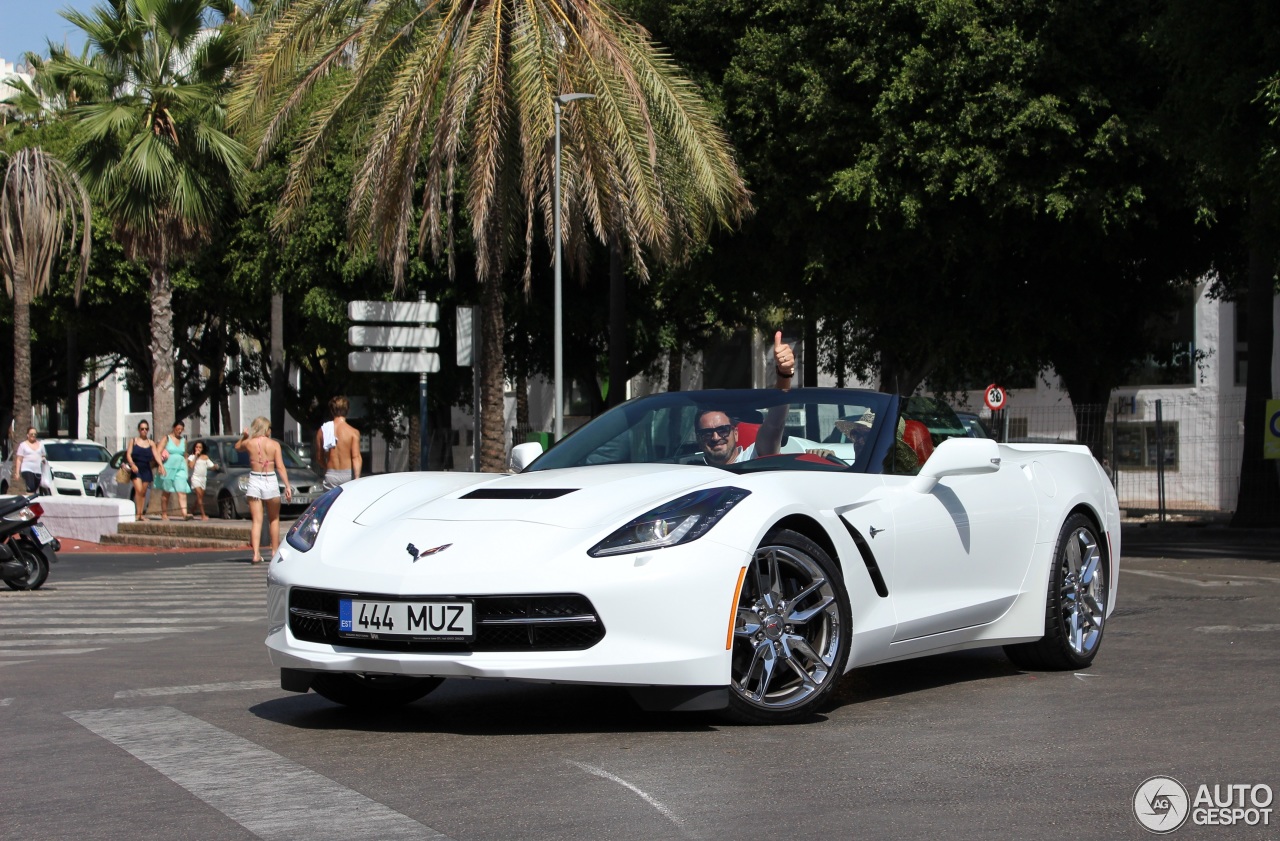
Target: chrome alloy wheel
1084, 592
788, 632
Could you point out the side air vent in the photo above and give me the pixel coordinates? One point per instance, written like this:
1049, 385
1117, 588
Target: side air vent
518, 493
868, 558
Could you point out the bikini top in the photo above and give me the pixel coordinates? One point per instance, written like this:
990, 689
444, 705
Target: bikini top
268, 466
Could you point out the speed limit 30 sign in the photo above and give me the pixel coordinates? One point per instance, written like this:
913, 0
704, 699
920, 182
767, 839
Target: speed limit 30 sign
995, 397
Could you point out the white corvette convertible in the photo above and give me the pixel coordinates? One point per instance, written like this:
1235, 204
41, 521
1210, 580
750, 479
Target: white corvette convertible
623, 557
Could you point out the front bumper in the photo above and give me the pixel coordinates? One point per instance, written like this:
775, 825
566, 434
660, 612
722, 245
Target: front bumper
665, 615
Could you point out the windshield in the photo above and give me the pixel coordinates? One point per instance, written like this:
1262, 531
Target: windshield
821, 429
62, 451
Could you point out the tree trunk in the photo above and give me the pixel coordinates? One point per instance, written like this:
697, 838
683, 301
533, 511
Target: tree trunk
278, 383
162, 397
675, 369
809, 360
21, 357
618, 351
73, 382
1259, 498
493, 440
91, 421
522, 401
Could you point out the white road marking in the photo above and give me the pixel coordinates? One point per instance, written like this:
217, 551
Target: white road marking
134, 619
1231, 629
1085, 676
1197, 581
4, 702
175, 629
204, 687
269, 795
647, 798
47, 643
8, 653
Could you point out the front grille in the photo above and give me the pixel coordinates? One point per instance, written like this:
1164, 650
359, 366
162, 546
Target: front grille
562, 622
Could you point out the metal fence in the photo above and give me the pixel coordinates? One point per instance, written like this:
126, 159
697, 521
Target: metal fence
1173, 455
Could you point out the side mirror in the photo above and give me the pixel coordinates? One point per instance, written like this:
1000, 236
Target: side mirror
522, 455
958, 457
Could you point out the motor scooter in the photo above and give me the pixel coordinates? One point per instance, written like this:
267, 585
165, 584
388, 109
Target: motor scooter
27, 547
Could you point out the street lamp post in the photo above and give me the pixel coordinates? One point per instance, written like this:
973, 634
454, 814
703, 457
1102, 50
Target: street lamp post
561, 100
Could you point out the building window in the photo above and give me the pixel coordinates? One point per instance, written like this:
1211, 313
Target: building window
1242, 343
1172, 360
139, 400
1136, 448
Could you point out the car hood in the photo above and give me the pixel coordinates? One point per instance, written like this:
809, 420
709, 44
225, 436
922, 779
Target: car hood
572, 498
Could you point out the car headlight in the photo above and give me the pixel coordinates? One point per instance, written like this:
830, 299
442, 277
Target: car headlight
62, 474
679, 521
302, 535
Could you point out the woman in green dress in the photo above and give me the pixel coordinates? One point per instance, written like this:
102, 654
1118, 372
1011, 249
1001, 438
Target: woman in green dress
174, 479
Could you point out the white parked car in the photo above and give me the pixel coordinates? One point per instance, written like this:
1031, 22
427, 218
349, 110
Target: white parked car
621, 557
75, 464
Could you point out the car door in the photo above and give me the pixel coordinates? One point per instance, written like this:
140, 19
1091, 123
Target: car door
960, 551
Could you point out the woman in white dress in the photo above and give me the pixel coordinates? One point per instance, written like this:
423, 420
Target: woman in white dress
200, 465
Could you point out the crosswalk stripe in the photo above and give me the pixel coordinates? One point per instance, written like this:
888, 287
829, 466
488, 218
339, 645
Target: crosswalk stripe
79, 617
231, 686
114, 630
229, 773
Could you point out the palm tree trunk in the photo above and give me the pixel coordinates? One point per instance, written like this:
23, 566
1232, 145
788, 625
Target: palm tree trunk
21, 356
493, 441
162, 397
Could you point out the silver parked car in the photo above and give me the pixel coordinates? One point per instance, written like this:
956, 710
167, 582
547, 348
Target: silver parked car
223, 493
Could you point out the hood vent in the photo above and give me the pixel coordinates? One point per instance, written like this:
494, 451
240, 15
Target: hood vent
518, 493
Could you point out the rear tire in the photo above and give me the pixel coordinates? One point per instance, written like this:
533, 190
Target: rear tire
372, 692
1076, 604
227, 507
791, 634
36, 563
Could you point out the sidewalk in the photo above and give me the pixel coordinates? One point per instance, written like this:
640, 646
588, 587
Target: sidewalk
156, 534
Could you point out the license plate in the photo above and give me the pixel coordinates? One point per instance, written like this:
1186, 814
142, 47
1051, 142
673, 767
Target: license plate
438, 620
42, 533
301, 499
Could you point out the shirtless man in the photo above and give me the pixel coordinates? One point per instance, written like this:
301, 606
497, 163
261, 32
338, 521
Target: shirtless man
718, 434
338, 446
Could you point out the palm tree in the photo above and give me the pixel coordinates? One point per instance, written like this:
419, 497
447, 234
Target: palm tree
459, 94
151, 141
40, 199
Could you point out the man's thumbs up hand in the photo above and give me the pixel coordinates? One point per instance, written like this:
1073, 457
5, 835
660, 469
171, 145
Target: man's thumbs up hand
783, 358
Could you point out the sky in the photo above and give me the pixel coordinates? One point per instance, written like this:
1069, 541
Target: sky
25, 25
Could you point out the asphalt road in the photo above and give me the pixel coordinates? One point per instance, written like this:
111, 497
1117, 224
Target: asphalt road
136, 701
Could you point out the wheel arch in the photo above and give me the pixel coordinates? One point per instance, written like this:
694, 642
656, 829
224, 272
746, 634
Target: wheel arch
1105, 545
812, 529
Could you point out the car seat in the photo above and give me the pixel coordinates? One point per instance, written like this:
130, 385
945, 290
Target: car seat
747, 433
916, 436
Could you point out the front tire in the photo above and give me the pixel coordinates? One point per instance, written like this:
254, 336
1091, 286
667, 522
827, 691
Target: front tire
37, 565
227, 507
372, 692
791, 634
1076, 605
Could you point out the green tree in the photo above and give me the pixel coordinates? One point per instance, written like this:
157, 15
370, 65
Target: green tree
460, 107
151, 141
39, 199
1223, 60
